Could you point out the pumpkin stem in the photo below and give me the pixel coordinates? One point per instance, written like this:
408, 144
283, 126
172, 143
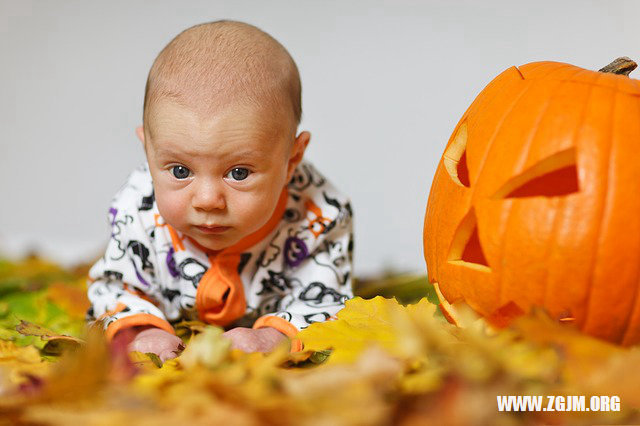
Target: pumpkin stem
622, 65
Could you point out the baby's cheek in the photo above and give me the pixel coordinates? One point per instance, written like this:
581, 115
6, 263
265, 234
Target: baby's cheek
173, 208
255, 210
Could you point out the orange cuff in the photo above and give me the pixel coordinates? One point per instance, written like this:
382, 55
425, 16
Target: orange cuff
283, 326
136, 320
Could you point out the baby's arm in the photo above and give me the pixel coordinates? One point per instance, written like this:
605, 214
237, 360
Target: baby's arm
122, 286
319, 279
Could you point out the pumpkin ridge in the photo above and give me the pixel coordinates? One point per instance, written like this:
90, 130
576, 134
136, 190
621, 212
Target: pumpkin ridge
550, 248
628, 85
574, 138
612, 81
633, 314
519, 168
503, 297
498, 126
505, 229
634, 309
626, 311
583, 117
620, 86
481, 103
524, 153
432, 199
603, 215
482, 164
540, 66
637, 84
531, 66
635, 306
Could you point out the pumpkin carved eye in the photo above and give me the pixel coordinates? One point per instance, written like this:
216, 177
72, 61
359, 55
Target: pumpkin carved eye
455, 157
554, 176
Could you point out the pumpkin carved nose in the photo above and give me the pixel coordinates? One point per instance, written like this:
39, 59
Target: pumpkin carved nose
465, 248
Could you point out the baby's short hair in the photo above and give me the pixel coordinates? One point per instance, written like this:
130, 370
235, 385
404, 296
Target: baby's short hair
215, 64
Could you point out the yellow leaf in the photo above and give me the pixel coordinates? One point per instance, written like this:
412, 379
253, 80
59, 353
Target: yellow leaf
19, 362
364, 323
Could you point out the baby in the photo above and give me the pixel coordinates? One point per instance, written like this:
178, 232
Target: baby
224, 223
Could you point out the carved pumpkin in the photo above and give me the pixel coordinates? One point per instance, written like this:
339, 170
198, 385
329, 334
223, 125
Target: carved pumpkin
536, 200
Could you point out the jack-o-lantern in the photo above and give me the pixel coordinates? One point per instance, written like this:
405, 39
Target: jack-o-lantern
536, 200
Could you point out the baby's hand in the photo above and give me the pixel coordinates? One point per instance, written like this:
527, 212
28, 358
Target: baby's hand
254, 340
157, 341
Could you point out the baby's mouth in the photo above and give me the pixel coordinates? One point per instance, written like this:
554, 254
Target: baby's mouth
213, 229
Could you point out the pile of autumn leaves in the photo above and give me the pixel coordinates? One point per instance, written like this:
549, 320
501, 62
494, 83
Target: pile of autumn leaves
379, 363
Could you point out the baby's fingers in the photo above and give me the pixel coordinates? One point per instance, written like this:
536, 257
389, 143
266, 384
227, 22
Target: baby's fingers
168, 354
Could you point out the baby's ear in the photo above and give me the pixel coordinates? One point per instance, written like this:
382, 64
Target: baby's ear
297, 152
140, 133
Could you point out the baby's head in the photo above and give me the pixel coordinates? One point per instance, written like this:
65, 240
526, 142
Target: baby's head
221, 111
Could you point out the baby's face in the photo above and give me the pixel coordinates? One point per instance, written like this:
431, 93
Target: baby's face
218, 179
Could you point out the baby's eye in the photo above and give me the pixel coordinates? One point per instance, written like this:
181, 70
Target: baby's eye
238, 173
180, 172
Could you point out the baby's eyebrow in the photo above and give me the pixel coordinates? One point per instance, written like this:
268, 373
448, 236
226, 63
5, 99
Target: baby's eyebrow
248, 153
236, 155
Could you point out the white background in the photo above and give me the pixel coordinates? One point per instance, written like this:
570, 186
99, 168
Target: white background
384, 83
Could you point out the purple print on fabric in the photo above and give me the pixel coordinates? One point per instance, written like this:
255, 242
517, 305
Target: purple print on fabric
142, 280
113, 211
171, 263
295, 251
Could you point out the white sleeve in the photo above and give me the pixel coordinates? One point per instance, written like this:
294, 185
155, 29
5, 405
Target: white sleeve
122, 283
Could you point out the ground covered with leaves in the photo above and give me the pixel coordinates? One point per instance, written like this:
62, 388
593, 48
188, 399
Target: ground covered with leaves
381, 362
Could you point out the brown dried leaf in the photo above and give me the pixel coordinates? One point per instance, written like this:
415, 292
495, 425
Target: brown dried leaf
56, 343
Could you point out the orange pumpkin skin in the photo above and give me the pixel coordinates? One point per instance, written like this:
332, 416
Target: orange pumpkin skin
536, 200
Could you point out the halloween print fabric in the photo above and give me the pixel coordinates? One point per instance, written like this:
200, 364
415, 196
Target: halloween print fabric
300, 271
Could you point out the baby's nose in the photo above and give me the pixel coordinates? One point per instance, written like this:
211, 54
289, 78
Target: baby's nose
208, 196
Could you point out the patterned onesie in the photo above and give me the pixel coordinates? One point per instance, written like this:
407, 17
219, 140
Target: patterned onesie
294, 271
